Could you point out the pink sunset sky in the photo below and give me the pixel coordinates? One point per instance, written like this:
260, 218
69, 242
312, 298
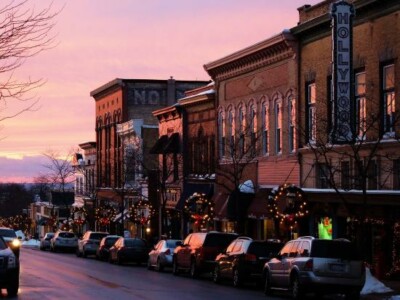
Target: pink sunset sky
99, 40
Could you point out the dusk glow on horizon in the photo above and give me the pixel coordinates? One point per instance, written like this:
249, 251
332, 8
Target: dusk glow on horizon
98, 41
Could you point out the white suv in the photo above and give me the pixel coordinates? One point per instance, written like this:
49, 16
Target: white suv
315, 265
63, 240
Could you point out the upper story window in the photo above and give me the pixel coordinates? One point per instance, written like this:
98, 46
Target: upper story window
292, 121
388, 94
278, 126
231, 131
253, 128
361, 113
242, 129
322, 176
265, 127
221, 134
396, 174
311, 112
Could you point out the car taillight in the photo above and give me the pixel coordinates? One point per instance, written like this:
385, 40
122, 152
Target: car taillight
250, 257
167, 252
308, 266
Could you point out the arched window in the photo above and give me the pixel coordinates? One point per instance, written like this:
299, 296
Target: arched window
221, 133
278, 125
292, 121
242, 129
252, 128
265, 127
231, 130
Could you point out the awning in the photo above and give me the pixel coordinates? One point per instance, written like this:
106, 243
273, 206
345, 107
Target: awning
172, 145
259, 205
190, 188
118, 217
238, 204
158, 147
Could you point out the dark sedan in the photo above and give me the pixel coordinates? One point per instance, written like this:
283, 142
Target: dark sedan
103, 251
129, 250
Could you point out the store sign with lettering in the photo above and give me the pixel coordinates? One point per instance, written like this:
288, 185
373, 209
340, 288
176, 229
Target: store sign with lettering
342, 75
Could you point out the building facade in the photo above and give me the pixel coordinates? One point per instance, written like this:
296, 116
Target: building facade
118, 102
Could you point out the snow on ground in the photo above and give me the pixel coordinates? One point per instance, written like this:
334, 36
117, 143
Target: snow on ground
31, 243
373, 285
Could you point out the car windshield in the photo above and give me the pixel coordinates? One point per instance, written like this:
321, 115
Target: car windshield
8, 233
97, 236
219, 239
334, 249
264, 249
67, 235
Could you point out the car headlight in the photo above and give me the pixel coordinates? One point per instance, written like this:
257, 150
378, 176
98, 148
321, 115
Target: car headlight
12, 262
15, 243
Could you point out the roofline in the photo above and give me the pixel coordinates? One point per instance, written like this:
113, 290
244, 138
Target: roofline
283, 36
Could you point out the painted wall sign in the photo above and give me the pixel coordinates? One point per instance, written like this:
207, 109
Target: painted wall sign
343, 106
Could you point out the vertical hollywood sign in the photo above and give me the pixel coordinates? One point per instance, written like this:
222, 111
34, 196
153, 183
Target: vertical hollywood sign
342, 75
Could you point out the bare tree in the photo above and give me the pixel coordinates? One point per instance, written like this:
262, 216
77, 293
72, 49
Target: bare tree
60, 170
24, 33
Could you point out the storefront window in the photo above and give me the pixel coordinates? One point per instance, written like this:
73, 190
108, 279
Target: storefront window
325, 228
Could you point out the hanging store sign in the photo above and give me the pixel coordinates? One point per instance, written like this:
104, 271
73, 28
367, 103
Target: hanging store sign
342, 74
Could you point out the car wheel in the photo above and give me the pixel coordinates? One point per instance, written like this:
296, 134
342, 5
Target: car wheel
110, 259
78, 254
194, 273
216, 275
119, 260
297, 290
84, 254
12, 289
267, 285
175, 269
149, 264
237, 279
159, 266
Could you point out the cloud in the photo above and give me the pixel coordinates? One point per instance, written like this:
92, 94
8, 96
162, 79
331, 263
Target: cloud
21, 170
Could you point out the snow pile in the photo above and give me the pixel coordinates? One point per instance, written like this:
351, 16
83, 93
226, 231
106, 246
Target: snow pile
373, 285
31, 243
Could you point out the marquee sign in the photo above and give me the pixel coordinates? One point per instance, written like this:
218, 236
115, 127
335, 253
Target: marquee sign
342, 73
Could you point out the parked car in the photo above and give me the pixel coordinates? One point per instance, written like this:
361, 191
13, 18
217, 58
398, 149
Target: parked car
45, 241
198, 251
161, 254
244, 259
9, 269
315, 265
103, 251
10, 237
129, 250
89, 243
63, 240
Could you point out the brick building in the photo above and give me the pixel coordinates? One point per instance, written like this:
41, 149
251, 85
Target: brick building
186, 149
117, 102
353, 184
256, 100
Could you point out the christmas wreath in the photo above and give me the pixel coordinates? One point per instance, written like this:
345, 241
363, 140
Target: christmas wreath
199, 208
141, 212
287, 203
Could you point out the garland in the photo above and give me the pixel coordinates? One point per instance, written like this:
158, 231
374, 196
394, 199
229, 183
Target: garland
199, 208
287, 203
141, 212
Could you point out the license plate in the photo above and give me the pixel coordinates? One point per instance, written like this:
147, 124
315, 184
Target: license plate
337, 268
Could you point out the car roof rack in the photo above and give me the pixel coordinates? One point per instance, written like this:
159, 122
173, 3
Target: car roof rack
244, 238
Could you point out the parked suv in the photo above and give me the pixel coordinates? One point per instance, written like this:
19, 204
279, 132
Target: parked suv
244, 259
9, 269
11, 239
198, 251
315, 265
89, 243
63, 240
